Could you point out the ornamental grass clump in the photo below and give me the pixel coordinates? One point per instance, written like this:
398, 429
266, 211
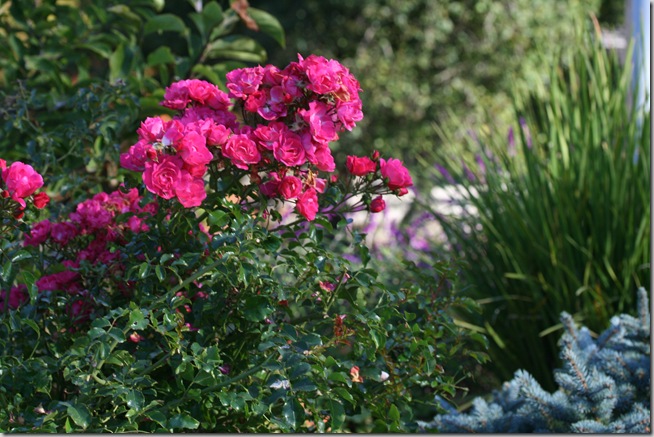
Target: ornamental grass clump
556, 217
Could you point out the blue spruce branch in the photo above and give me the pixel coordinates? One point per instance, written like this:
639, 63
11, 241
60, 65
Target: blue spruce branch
604, 386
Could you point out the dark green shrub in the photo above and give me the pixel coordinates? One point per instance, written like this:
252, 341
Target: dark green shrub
138, 310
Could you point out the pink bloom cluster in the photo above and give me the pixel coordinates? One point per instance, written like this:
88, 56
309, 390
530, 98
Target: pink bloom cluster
394, 174
174, 154
18, 295
87, 235
20, 182
292, 115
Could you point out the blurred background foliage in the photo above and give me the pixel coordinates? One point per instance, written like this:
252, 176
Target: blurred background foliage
423, 63
78, 76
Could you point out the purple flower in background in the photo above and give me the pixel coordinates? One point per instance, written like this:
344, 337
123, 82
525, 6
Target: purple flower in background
482, 166
511, 138
525, 130
446, 174
469, 174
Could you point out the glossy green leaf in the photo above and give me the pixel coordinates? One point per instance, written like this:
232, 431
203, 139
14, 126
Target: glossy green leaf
337, 413
137, 320
135, 399
20, 255
164, 23
291, 413
183, 421
269, 25
80, 415
238, 48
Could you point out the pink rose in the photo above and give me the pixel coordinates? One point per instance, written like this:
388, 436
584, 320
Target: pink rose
38, 234
323, 74
241, 150
41, 200
289, 150
244, 81
268, 135
290, 187
92, 215
271, 187
161, 177
319, 119
137, 224
193, 149
151, 130
207, 94
217, 135
80, 310
255, 101
62, 233
360, 166
274, 106
22, 181
134, 159
190, 191
307, 204
397, 175
324, 158
179, 94
18, 295
176, 95
65, 280
349, 113
377, 204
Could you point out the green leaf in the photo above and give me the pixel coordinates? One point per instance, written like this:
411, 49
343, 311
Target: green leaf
304, 384
394, 413
135, 399
290, 412
212, 15
207, 72
21, 255
144, 270
337, 413
344, 394
218, 218
80, 415
157, 416
164, 23
300, 369
137, 320
206, 21
269, 25
117, 335
256, 308
183, 421
161, 55
237, 48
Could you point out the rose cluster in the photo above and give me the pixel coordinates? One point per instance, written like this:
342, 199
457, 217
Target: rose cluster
394, 175
20, 182
90, 234
288, 119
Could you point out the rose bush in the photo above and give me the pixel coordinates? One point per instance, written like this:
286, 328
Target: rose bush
206, 293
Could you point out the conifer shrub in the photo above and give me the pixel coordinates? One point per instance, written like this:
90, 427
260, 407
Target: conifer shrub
604, 386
